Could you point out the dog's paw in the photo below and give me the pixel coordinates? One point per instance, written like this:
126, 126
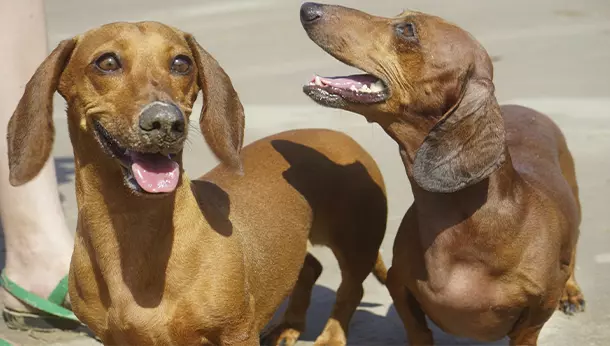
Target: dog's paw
331, 339
329, 343
287, 339
572, 300
332, 335
281, 335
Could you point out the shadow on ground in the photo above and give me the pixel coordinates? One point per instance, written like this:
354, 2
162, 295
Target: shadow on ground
367, 328
64, 169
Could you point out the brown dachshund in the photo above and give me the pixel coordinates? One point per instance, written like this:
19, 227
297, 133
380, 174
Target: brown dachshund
162, 260
487, 248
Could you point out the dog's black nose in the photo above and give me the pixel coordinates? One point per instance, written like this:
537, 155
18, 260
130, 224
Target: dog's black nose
310, 12
162, 118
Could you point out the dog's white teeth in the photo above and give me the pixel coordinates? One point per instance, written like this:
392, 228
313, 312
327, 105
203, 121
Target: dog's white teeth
373, 88
365, 89
377, 86
318, 81
353, 88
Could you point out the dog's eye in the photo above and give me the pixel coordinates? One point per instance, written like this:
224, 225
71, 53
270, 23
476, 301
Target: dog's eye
108, 62
181, 64
406, 30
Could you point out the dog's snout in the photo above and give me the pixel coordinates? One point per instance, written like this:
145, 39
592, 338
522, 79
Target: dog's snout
163, 118
310, 12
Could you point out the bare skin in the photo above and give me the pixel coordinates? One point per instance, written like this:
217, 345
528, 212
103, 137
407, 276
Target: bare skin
38, 242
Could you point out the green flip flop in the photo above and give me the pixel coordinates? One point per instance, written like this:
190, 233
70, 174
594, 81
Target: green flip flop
5, 343
50, 315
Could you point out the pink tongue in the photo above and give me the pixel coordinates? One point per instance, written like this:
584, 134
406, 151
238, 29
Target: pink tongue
346, 82
155, 173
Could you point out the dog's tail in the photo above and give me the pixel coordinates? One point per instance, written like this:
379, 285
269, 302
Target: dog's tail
380, 271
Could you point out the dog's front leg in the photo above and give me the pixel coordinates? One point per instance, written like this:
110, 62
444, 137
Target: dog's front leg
253, 340
234, 338
410, 312
527, 329
244, 332
525, 336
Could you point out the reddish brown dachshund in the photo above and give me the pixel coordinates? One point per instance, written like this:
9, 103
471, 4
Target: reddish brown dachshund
163, 260
488, 247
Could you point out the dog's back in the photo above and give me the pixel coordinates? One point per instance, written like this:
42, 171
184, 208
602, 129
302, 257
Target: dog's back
538, 148
316, 184
540, 154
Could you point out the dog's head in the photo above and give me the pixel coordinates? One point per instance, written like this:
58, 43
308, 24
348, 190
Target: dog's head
131, 87
428, 83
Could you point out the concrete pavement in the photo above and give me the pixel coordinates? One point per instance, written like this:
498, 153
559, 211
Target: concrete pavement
550, 54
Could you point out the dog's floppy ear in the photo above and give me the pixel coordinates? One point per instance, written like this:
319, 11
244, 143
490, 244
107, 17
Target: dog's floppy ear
222, 115
30, 130
466, 145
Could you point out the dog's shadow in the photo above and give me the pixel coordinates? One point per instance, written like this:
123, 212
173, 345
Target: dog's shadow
364, 325
64, 172
367, 328
64, 169
215, 205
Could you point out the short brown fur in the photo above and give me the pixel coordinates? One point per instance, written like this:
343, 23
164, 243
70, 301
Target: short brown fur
488, 247
210, 262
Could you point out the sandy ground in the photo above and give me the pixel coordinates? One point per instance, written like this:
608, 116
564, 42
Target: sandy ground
550, 54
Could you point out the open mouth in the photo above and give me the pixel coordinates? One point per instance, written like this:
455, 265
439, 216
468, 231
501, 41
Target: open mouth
143, 172
361, 88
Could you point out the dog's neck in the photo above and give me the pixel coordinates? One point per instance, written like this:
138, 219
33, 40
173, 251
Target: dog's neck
135, 241
452, 208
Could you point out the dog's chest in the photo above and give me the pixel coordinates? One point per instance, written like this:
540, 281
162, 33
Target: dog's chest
470, 303
132, 324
